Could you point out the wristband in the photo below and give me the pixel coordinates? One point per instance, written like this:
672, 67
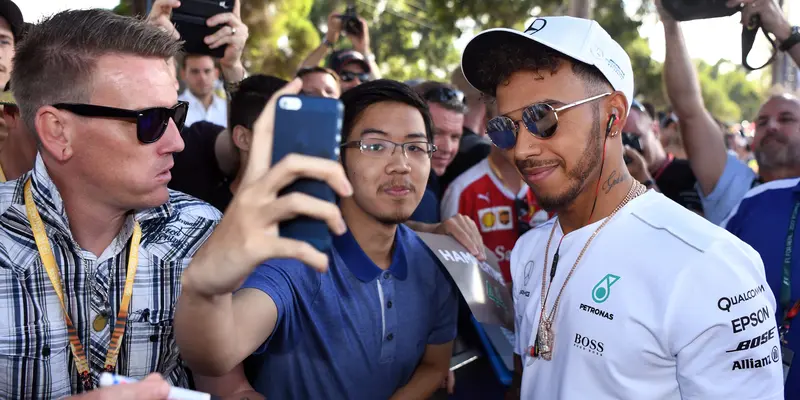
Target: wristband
792, 40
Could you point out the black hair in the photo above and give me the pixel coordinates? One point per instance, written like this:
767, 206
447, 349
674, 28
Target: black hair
359, 98
249, 100
518, 54
453, 104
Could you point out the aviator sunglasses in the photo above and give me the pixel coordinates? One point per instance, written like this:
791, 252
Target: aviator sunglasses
541, 119
348, 76
151, 123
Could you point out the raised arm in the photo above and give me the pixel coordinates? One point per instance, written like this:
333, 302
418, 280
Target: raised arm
702, 137
216, 329
331, 37
772, 20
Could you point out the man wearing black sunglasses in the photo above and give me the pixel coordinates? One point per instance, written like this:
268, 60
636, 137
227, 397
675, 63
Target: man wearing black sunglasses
632, 307
353, 68
96, 242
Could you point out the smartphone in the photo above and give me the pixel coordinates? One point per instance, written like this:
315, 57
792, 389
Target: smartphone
687, 10
190, 21
310, 126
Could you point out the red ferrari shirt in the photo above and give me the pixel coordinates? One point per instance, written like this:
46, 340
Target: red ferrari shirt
501, 216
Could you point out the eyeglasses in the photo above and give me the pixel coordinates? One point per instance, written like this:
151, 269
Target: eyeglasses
151, 123
380, 148
444, 95
348, 76
541, 119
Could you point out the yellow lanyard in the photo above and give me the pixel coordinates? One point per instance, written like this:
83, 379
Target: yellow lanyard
49, 261
2, 175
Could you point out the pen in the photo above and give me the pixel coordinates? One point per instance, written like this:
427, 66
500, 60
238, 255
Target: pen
175, 393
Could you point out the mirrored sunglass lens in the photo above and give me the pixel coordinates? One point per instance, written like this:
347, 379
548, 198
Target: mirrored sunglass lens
540, 119
152, 125
502, 131
347, 76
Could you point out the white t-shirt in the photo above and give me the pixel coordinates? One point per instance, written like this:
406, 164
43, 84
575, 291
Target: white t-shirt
642, 315
216, 113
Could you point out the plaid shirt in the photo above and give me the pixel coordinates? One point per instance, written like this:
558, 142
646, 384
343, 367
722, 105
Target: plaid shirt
35, 358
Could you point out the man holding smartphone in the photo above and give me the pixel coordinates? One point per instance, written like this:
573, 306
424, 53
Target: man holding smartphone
354, 66
378, 324
232, 34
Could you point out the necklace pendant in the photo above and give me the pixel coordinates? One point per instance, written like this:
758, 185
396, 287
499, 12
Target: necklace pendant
544, 341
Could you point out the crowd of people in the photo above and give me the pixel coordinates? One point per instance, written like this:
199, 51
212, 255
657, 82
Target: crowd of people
139, 223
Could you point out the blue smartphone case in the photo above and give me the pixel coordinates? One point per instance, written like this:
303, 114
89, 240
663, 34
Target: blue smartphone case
310, 126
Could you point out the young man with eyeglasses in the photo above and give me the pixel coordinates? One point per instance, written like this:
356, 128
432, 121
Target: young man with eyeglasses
624, 288
379, 323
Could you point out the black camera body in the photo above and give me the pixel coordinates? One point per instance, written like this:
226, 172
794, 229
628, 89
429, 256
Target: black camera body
631, 140
350, 22
687, 10
190, 21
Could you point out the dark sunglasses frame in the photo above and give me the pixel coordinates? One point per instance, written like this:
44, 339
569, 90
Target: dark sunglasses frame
347, 76
445, 95
541, 120
145, 133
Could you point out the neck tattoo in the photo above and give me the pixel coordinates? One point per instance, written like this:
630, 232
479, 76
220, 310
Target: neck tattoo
614, 179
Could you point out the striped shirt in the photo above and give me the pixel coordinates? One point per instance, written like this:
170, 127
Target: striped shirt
35, 357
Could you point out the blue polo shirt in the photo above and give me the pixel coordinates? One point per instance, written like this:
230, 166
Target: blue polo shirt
428, 209
762, 221
355, 332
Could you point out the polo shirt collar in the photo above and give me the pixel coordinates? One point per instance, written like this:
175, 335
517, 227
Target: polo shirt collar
362, 266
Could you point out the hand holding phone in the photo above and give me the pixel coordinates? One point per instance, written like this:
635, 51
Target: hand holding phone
310, 126
248, 232
193, 22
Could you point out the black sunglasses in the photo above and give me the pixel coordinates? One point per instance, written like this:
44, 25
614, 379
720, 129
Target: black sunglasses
541, 119
444, 95
151, 123
348, 76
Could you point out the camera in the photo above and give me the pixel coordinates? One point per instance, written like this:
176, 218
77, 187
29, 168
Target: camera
631, 140
687, 10
350, 22
190, 21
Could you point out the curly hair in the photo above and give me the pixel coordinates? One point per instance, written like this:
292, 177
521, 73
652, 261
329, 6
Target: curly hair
518, 54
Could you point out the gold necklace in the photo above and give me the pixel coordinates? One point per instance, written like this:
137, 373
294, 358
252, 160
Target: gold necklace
543, 346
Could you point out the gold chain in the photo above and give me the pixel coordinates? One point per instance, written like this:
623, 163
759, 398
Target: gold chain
636, 190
